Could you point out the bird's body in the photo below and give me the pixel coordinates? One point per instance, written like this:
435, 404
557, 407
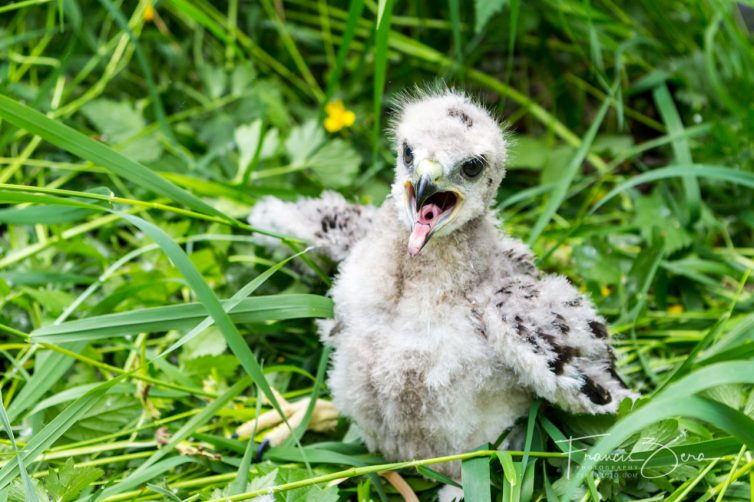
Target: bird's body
441, 344
412, 363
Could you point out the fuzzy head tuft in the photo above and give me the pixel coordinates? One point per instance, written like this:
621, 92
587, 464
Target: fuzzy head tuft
450, 160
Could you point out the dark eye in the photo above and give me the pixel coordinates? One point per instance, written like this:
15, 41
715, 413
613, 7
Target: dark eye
408, 155
473, 167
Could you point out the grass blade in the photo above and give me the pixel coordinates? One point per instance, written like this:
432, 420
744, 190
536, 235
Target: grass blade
681, 150
678, 400
355, 7
146, 471
159, 110
54, 430
202, 290
711, 172
475, 474
29, 492
561, 189
78, 144
184, 316
380, 70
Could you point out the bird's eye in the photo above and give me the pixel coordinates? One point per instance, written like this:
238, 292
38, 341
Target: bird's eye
472, 167
408, 155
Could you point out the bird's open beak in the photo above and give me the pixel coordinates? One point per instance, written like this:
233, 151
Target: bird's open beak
430, 204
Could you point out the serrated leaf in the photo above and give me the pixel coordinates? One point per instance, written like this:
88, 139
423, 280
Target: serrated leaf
655, 435
651, 212
214, 79
484, 10
109, 414
247, 139
314, 494
209, 342
68, 481
53, 301
225, 365
241, 78
17, 492
304, 140
117, 122
335, 164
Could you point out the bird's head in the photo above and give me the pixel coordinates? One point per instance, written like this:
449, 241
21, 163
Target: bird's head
450, 161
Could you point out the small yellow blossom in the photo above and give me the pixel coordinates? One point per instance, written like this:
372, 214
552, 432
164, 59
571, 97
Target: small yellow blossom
149, 12
605, 291
675, 309
337, 116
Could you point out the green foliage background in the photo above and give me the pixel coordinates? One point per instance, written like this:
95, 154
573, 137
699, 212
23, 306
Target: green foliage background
135, 136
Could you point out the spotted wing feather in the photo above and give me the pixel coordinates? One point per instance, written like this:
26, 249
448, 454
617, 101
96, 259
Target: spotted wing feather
550, 336
329, 222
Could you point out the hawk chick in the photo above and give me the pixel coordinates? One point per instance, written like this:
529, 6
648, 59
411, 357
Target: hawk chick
444, 329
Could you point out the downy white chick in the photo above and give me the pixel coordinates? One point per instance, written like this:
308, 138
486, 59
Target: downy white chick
444, 329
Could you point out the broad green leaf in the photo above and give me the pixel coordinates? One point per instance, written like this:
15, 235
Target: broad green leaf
130, 121
224, 364
214, 79
248, 137
304, 140
67, 481
109, 414
336, 164
652, 212
209, 342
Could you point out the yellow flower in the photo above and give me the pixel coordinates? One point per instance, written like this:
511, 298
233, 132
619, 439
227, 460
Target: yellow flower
605, 291
149, 12
675, 309
337, 116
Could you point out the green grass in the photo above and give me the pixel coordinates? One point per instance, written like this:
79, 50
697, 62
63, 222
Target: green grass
135, 304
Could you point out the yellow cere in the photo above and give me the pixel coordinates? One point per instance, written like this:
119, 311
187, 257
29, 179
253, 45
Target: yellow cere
338, 117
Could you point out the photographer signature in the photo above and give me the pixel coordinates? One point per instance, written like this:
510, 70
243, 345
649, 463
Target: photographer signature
654, 448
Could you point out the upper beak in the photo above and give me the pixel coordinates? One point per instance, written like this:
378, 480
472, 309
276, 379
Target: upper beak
429, 172
424, 189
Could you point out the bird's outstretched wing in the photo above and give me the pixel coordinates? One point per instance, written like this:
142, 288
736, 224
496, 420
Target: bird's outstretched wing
552, 339
329, 222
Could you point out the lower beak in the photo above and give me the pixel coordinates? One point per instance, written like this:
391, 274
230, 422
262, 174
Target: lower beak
430, 208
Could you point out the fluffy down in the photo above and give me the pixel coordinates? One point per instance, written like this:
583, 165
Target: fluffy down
440, 352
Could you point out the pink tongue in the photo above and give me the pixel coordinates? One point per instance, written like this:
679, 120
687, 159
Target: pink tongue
426, 220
